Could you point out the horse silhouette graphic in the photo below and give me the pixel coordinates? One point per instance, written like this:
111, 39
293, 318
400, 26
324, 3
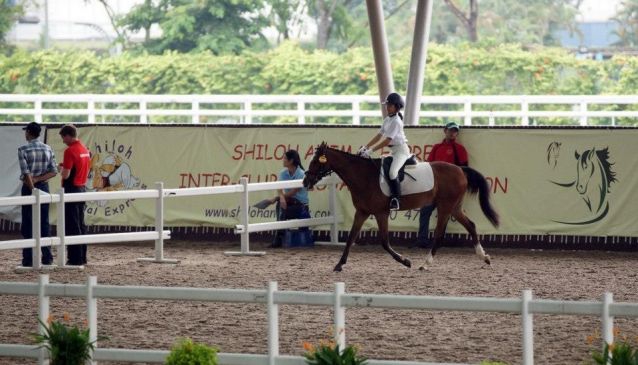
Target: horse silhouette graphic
593, 179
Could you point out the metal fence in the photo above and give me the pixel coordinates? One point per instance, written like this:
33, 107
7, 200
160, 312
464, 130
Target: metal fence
523, 110
159, 234
526, 306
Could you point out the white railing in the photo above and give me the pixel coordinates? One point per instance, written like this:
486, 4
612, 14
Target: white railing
526, 306
246, 109
159, 234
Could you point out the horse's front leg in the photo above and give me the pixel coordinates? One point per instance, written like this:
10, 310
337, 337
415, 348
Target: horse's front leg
359, 218
384, 235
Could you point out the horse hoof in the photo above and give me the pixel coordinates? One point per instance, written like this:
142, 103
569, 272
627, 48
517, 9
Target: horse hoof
337, 268
487, 260
407, 263
422, 268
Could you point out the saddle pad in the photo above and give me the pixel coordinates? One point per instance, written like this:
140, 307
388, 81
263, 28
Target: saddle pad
422, 172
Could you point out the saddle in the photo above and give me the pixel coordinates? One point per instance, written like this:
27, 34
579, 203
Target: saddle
386, 163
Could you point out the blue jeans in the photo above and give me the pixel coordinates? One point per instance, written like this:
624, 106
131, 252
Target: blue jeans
26, 227
424, 226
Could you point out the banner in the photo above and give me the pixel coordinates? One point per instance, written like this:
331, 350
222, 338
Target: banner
11, 137
543, 181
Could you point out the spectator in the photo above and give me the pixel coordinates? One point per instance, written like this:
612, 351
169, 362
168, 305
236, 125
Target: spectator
37, 166
291, 203
75, 171
450, 151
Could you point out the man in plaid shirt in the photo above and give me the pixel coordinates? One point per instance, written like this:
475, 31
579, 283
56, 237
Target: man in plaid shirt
37, 166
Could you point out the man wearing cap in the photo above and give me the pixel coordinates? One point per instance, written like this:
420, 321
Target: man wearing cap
75, 171
450, 151
37, 166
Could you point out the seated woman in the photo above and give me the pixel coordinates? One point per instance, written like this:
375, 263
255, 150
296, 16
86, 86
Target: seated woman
291, 203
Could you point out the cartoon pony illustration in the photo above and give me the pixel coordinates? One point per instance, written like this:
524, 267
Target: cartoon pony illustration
110, 174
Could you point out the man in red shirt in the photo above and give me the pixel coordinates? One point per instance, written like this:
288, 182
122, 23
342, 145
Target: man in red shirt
75, 171
450, 151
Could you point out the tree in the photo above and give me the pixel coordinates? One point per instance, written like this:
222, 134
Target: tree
333, 19
286, 15
527, 22
469, 21
220, 26
143, 16
627, 19
9, 14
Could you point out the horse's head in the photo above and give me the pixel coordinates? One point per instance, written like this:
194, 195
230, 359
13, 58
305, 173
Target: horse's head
585, 169
319, 167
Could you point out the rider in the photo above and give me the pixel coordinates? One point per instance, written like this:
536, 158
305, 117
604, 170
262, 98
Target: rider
391, 134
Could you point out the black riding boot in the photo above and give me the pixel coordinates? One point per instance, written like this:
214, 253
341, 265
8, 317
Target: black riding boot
395, 190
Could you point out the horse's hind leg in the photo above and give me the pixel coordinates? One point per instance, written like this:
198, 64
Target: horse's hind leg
441, 223
359, 218
471, 228
384, 234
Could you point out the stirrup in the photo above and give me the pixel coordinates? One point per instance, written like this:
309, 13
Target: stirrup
394, 204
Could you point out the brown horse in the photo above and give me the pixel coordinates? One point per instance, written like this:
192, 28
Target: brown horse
361, 175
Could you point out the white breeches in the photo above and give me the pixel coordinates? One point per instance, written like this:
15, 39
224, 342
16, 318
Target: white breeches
400, 154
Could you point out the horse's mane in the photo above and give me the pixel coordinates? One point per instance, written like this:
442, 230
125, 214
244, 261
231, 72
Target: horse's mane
353, 156
603, 157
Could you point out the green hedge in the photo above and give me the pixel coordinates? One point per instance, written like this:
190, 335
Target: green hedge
289, 69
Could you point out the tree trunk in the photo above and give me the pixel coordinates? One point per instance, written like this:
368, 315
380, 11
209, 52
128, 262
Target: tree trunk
324, 23
470, 22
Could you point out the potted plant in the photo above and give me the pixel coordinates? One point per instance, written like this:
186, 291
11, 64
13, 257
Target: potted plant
67, 345
186, 352
328, 353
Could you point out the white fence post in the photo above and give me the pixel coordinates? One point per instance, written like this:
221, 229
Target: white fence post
244, 218
467, 111
195, 111
525, 112
91, 111
91, 313
61, 230
43, 314
143, 115
36, 232
159, 228
356, 113
332, 205
301, 108
528, 329
607, 320
583, 111
38, 110
248, 109
273, 324
340, 317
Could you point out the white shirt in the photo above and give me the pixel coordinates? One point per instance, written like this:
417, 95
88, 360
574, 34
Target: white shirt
393, 128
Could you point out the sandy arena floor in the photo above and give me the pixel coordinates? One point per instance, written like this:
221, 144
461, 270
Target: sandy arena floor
382, 334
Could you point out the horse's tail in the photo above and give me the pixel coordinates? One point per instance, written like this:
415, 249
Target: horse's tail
476, 183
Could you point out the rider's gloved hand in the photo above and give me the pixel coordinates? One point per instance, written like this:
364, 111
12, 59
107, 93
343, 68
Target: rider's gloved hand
364, 152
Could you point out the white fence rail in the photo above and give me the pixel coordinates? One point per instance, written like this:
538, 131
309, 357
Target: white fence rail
159, 234
245, 109
526, 306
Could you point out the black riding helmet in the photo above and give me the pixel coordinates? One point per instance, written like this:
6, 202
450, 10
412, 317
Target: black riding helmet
395, 99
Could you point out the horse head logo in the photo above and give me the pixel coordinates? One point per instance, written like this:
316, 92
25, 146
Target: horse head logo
594, 176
